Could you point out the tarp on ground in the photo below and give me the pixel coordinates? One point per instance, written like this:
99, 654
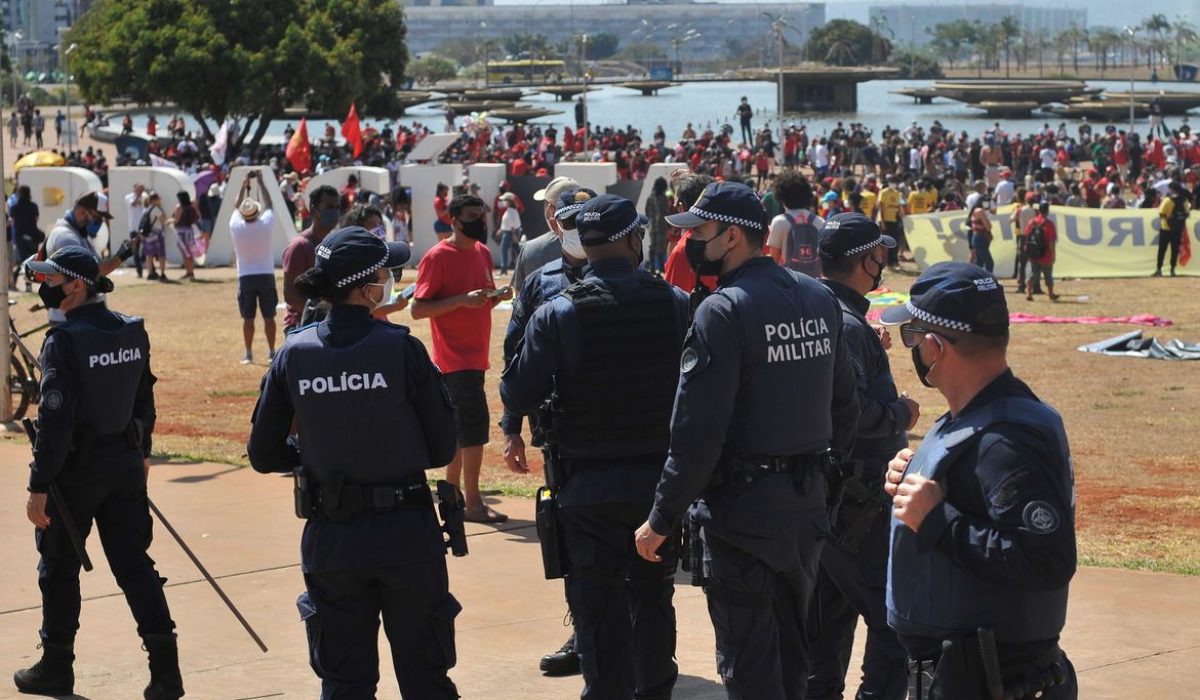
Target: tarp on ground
1132, 344
1091, 242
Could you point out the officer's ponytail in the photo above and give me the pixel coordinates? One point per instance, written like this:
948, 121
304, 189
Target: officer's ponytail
315, 283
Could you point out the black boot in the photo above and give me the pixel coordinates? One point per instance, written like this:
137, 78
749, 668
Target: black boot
53, 675
165, 681
564, 662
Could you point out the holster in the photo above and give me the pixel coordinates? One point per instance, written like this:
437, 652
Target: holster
969, 669
554, 547
451, 509
338, 503
856, 508
691, 551
303, 495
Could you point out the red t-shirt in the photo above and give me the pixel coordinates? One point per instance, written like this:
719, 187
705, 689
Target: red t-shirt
678, 272
461, 338
1049, 235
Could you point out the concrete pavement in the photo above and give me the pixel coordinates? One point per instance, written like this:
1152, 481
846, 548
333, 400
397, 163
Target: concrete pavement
1130, 634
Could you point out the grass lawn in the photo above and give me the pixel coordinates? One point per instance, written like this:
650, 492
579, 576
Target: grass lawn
1132, 423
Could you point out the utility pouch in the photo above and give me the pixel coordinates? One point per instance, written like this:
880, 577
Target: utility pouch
340, 502
302, 494
691, 557
554, 549
451, 508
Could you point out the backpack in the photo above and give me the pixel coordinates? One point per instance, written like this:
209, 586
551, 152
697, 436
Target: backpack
1179, 214
802, 245
1035, 241
145, 226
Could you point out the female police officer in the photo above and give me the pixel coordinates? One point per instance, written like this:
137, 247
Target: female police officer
372, 416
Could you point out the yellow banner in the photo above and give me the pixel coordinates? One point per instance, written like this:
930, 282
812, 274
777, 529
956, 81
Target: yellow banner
1091, 242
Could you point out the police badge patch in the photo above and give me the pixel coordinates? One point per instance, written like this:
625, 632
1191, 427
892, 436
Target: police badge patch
1040, 517
695, 355
52, 400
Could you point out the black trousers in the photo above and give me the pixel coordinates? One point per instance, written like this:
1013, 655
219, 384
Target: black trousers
1170, 239
341, 612
621, 604
117, 505
850, 585
761, 616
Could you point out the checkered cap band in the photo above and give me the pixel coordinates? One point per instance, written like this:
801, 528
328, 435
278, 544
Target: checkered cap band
567, 210
725, 218
69, 273
614, 236
362, 274
864, 247
937, 320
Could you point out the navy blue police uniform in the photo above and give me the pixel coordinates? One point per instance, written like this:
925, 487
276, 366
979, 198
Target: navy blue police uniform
978, 593
853, 575
95, 425
371, 415
766, 390
605, 351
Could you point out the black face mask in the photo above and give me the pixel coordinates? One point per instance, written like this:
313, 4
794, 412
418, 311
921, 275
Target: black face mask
476, 229
52, 297
876, 278
693, 250
920, 366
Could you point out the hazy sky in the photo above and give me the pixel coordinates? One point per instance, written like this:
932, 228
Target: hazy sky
1100, 12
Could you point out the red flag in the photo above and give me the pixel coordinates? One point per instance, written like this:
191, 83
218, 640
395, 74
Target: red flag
351, 132
1185, 246
298, 152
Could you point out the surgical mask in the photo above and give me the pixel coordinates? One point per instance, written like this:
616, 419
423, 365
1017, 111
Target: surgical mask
476, 229
328, 218
694, 249
571, 244
919, 365
380, 232
387, 290
52, 297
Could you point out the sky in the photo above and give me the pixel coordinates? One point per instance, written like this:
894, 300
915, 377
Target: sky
1100, 12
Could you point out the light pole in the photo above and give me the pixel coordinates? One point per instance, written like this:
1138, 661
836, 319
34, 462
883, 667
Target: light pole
583, 42
1132, 32
67, 61
16, 37
777, 26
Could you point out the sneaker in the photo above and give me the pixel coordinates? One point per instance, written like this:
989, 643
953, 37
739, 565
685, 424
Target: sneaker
247, 358
152, 276
1157, 273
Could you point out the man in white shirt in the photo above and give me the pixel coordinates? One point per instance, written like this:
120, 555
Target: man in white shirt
135, 208
794, 193
1005, 189
72, 230
252, 228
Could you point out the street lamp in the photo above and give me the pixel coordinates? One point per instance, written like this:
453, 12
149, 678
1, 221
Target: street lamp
1132, 32
17, 37
67, 62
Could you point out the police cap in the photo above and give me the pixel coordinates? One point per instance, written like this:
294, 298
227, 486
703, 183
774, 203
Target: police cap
571, 200
727, 202
850, 233
353, 253
73, 261
955, 295
607, 218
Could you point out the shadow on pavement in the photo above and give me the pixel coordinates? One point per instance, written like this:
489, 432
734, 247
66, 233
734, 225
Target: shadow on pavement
696, 688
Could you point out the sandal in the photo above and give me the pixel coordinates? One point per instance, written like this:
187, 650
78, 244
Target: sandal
487, 515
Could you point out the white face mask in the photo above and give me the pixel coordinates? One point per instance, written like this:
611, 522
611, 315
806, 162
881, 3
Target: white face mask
387, 290
571, 244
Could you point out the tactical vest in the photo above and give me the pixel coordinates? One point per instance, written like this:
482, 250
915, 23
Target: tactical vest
619, 404
352, 409
110, 365
927, 593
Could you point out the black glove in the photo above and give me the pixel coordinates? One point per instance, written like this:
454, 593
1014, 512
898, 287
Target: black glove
125, 251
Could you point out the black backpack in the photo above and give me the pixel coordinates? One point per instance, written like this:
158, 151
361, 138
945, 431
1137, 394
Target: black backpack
145, 226
1035, 241
802, 245
1179, 215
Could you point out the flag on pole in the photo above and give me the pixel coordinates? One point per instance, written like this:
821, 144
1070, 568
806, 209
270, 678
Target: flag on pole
160, 162
298, 152
351, 131
1185, 246
220, 144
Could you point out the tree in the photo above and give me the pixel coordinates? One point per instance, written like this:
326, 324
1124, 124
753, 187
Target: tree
1009, 29
1101, 42
1155, 25
527, 45
847, 43
951, 39
431, 68
1185, 33
601, 46
248, 59
643, 51
916, 64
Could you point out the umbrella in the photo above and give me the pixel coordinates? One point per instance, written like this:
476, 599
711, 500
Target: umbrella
202, 180
40, 159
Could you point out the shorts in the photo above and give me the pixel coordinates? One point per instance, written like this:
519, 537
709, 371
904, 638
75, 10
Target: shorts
260, 290
470, 406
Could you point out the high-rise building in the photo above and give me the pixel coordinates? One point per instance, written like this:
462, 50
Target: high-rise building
913, 24
32, 29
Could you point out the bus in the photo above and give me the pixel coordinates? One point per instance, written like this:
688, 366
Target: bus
526, 70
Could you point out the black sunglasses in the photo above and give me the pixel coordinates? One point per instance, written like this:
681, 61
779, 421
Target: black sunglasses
912, 335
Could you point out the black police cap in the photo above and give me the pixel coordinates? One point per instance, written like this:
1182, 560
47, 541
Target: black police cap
353, 253
73, 261
727, 202
850, 233
607, 218
955, 295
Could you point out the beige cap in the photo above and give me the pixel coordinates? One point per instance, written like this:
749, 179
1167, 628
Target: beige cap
555, 188
248, 208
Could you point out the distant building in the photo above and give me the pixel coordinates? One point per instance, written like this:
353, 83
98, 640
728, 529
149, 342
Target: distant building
913, 24
40, 24
714, 27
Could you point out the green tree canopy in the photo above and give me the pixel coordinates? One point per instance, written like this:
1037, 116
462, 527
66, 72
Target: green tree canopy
845, 42
432, 68
245, 58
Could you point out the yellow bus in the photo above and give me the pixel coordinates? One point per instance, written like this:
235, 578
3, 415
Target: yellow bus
526, 70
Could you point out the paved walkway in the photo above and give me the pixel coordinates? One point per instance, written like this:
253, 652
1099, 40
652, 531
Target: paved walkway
1130, 634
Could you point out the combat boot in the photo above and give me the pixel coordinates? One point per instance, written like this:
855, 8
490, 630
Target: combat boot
564, 662
165, 681
53, 675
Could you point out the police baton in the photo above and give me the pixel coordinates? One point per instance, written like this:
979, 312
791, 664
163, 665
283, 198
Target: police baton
64, 513
207, 576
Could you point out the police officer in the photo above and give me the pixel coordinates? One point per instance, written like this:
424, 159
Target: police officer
766, 390
539, 287
982, 534
605, 351
372, 416
853, 571
95, 423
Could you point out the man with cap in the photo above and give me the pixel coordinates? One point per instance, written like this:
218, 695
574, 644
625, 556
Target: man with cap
538, 288
766, 391
544, 248
372, 415
95, 422
252, 228
983, 514
72, 230
604, 353
853, 572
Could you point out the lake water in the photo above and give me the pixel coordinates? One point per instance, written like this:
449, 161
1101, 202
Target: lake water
711, 104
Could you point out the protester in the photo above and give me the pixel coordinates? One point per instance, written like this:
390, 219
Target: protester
509, 233
153, 237
135, 207
981, 235
26, 234
300, 254
658, 206
252, 228
792, 240
1173, 216
184, 219
1040, 241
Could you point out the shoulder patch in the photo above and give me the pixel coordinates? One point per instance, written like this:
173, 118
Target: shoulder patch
52, 400
695, 355
1041, 518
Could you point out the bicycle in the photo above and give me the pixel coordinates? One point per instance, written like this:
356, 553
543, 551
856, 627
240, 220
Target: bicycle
24, 378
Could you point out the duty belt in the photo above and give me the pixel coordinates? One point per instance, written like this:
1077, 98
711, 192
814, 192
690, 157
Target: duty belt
384, 497
777, 464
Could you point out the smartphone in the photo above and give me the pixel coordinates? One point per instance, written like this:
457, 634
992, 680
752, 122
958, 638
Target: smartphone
497, 292
409, 291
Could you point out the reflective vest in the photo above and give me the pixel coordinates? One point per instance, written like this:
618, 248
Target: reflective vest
110, 365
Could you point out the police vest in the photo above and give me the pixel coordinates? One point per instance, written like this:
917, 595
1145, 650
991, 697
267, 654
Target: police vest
110, 365
927, 594
352, 409
880, 387
619, 404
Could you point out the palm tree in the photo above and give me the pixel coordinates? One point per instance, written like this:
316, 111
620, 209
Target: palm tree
1010, 29
1185, 33
1101, 42
1062, 46
1155, 25
841, 53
